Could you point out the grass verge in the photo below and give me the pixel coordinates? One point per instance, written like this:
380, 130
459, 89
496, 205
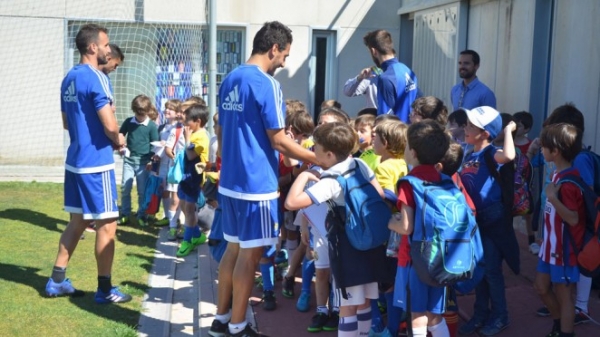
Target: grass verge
31, 222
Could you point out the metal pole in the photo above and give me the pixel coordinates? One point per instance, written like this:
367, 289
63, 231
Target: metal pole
212, 62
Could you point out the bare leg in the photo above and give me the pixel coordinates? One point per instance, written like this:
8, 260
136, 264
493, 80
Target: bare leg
243, 281
69, 239
226, 266
105, 245
322, 286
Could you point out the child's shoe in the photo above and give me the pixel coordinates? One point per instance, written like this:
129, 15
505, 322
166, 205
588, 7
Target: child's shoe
64, 288
199, 240
185, 249
113, 296
172, 236
303, 302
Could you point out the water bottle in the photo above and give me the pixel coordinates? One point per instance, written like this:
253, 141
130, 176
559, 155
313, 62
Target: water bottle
393, 243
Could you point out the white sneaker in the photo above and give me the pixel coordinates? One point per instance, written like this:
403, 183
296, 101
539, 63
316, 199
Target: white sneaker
534, 248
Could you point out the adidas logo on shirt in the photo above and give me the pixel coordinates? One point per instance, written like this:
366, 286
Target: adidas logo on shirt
410, 84
70, 95
232, 101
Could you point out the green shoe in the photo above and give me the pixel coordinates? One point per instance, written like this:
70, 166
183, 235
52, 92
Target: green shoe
185, 249
172, 234
142, 222
199, 240
123, 220
162, 222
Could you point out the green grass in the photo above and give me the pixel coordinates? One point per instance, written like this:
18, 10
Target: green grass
31, 222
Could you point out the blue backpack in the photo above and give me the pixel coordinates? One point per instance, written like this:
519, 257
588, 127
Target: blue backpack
176, 173
367, 214
446, 244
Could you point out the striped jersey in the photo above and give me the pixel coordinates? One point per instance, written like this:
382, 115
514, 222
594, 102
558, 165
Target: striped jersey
556, 243
84, 91
251, 102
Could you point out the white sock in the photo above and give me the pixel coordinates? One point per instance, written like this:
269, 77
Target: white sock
224, 318
419, 332
235, 328
584, 286
348, 327
173, 222
166, 206
364, 321
440, 329
290, 246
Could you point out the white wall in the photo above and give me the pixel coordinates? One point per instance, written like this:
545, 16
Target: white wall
575, 65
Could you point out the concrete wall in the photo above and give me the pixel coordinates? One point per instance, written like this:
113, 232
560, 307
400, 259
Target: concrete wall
35, 56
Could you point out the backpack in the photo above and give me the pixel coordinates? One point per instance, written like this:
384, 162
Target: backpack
595, 159
588, 255
367, 214
445, 244
514, 178
175, 174
152, 195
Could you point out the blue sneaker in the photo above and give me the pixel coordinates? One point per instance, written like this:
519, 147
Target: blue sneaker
494, 327
384, 333
65, 288
303, 302
113, 296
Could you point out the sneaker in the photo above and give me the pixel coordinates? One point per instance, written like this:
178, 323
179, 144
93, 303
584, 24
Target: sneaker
91, 228
172, 236
65, 288
162, 222
142, 222
494, 327
185, 249
303, 303
332, 322
543, 312
553, 334
247, 332
123, 220
113, 296
288, 287
471, 326
581, 316
199, 240
534, 248
384, 333
218, 329
281, 257
318, 322
269, 302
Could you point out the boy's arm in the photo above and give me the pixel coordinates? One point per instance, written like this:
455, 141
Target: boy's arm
508, 152
567, 215
288, 147
375, 184
403, 222
297, 198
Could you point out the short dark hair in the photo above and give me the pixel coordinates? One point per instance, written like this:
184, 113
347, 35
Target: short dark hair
87, 35
272, 33
339, 138
331, 103
563, 137
524, 118
430, 107
380, 40
197, 112
459, 117
301, 121
367, 111
452, 159
116, 52
566, 113
429, 140
339, 114
473, 54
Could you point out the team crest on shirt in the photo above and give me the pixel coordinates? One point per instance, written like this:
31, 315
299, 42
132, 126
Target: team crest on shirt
410, 84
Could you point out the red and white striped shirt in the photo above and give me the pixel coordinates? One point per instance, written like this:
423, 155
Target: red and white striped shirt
553, 246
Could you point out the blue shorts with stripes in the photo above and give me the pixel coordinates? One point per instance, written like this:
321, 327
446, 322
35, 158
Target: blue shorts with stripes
92, 194
250, 223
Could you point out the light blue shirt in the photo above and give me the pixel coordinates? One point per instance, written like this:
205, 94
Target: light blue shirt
471, 96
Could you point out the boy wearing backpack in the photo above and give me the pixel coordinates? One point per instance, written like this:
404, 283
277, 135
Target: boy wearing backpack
426, 146
564, 221
479, 177
356, 273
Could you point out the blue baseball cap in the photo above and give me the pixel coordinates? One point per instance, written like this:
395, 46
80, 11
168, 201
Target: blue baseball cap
486, 118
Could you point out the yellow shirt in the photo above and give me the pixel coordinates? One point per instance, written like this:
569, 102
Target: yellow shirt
388, 173
200, 141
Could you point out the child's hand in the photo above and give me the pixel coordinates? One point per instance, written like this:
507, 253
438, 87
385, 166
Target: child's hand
534, 147
187, 132
552, 192
149, 166
510, 127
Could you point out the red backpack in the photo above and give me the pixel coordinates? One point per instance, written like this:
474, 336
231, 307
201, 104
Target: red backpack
588, 255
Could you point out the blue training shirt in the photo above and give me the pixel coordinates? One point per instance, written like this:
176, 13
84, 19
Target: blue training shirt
251, 102
478, 181
396, 89
472, 96
84, 91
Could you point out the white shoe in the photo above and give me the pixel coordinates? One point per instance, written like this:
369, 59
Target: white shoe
534, 248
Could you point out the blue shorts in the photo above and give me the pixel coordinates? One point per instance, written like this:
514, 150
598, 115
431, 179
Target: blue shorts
250, 223
559, 274
425, 298
94, 195
400, 288
187, 193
